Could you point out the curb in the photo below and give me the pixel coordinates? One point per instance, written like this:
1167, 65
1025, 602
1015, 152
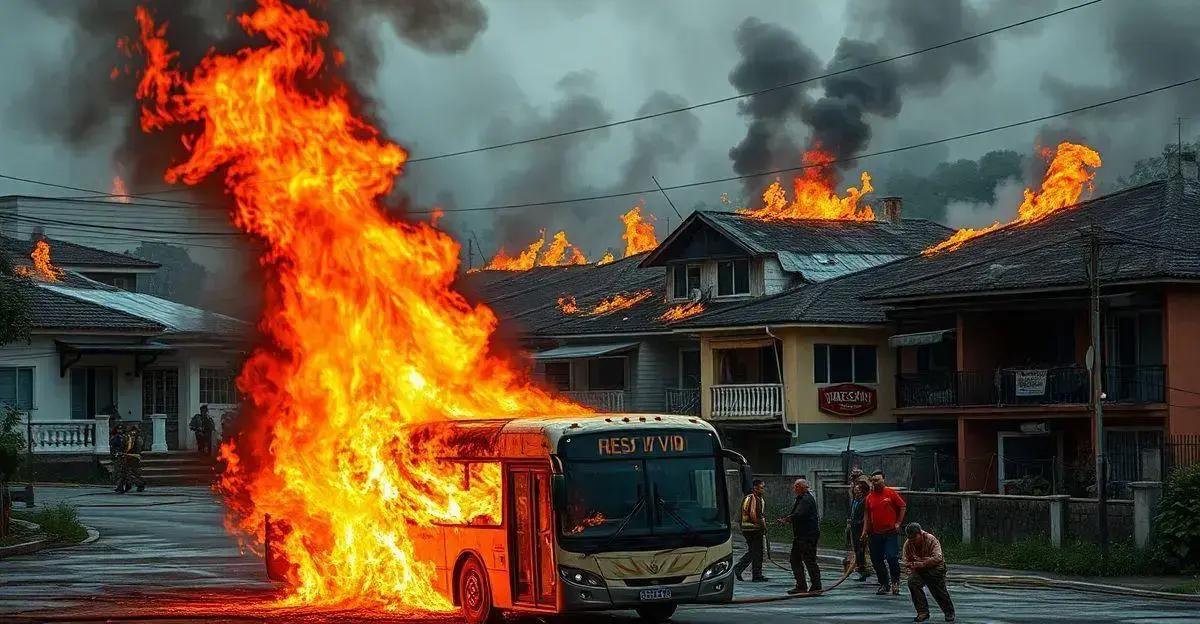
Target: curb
1032, 581
45, 543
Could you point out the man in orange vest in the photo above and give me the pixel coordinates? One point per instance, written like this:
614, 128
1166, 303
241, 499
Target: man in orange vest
754, 529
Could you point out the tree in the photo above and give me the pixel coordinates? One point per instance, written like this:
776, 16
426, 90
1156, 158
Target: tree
14, 304
179, 279
1147, 170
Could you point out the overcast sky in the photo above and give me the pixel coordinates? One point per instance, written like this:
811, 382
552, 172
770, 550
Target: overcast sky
533, 66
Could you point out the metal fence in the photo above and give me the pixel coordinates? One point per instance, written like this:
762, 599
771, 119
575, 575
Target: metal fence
1054, 385
1181, 451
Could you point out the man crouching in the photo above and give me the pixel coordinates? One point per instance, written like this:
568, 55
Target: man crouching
926, 567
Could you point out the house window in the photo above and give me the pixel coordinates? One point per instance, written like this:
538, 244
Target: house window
686, 279
16, 387
844, 364
733, 278
93, 391
218, 386
606, 373
558, 375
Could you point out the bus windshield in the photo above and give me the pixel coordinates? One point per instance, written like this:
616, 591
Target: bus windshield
640, 497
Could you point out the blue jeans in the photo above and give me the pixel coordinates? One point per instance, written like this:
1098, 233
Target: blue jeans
886, 547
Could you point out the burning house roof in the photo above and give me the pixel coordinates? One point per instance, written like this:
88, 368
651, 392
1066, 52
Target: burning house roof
70, 255
1051, 253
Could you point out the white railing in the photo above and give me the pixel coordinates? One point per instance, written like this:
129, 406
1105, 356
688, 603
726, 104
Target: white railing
63, 436
747, 401
603, 400
683, 400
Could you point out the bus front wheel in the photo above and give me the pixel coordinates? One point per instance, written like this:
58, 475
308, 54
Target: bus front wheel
656, 613
475, 595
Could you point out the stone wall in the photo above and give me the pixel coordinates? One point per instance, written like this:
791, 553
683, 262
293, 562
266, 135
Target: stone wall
1006, 519
1083, 522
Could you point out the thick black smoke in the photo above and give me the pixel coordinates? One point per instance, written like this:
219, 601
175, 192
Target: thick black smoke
435, 26
770, 55
560, 168
840, 121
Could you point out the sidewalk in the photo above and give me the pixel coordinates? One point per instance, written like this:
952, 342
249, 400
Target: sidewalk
780, 551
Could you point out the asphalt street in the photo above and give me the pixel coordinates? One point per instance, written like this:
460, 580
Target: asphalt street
165, 553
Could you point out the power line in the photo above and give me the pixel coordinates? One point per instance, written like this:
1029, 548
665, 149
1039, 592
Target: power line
786, 85
120, 228
88, 190
847, 159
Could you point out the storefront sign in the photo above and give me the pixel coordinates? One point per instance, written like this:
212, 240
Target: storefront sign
1031, 383
846, 400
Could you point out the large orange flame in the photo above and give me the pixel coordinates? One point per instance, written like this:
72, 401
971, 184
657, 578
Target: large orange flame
42, 268
365, 337
560, 253
1070, 172
639, 232
813, 196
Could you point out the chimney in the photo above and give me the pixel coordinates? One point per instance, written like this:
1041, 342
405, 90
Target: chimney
892, 207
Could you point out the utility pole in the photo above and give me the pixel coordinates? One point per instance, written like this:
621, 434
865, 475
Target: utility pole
1096, 366
470, 254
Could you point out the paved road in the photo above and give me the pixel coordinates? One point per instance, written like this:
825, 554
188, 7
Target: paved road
164, 552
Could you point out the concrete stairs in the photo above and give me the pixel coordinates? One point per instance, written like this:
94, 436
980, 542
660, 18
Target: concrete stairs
174, 468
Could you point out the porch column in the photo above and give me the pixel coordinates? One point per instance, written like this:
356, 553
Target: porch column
970, 516
102, 434
1146, 495
158, 441
1058, 519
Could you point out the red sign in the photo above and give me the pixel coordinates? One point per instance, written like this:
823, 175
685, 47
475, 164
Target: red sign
846, 400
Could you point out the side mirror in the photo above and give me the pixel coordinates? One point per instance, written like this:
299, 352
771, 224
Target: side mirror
558, 491
745, 470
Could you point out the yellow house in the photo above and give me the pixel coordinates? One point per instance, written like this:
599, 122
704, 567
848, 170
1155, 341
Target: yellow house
807, 364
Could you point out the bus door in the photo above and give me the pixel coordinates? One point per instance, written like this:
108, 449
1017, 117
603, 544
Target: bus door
535, 579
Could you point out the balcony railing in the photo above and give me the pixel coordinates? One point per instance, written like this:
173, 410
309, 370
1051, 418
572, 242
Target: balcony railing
683, 401
88, 435
603, 400
747, 401
1057, 385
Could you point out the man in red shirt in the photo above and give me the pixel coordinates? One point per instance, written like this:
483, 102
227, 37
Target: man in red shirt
881, 527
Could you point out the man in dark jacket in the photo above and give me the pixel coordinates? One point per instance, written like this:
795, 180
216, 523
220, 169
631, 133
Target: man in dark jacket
806, 532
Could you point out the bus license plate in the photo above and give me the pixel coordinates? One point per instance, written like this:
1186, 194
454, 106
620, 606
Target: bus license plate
656, 594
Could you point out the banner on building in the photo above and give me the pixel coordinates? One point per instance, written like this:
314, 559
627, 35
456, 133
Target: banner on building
847, 400
1031, 383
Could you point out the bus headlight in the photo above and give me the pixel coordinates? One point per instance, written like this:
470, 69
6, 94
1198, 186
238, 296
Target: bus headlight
580, 577
719, 568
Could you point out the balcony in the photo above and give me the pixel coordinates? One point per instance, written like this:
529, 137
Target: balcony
683, 401
601, 400
747, 402
1060, 385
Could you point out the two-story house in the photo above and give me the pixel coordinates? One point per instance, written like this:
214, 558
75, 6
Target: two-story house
637, 357
994, 339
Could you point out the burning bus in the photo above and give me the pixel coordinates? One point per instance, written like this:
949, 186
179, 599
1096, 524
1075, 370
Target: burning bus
586, 513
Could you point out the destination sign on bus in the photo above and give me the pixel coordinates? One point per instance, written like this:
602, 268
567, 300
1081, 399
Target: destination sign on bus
614, 445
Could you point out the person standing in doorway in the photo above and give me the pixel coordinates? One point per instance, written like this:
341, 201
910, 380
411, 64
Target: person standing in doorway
202, 425
754, 529
806, 532
926, 567
885, 511
858, 512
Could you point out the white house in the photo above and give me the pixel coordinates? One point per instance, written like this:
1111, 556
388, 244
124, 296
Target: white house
98, 353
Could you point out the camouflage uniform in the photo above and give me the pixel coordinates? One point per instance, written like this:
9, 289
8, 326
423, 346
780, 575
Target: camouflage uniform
116, 454
132, 471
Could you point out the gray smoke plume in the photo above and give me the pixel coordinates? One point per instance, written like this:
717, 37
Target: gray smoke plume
839, 120
435, 26
770, 55
963, 180
559, 168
